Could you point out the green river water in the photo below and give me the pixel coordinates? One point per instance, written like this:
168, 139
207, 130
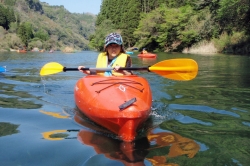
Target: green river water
204, 121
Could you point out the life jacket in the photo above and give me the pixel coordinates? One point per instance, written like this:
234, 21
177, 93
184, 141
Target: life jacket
102, 62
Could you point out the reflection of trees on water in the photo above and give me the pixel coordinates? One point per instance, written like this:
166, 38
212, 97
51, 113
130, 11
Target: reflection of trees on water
18, 99
8, 129
226, 141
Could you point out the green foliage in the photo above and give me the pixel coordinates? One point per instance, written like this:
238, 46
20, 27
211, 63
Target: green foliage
190, 36
13, 27
35, 42
234, 14
7, 16
25, 32
165, 26
41, 34
102, 31
225, 42
147, 29
129, 21
9, 40
69, 29
13, 41
18, 20
151, 23
3, 18
162, 25
173, 25
10, 2
53, 25
10, 15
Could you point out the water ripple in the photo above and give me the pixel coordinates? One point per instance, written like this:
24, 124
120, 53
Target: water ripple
201, 108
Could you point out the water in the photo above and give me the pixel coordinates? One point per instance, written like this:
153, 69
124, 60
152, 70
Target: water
205, 121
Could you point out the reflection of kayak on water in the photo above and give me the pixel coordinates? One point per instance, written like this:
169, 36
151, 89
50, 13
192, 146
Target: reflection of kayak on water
148, 61
179, 146
130, 153
135, 152
125, 152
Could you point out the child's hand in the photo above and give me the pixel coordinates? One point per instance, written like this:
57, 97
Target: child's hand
84, 71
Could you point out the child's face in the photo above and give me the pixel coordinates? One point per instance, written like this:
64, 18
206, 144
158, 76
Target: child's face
113, 49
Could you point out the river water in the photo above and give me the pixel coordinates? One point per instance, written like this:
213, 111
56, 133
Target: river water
204, 121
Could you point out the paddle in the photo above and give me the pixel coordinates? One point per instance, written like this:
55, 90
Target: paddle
2, 69
175, 69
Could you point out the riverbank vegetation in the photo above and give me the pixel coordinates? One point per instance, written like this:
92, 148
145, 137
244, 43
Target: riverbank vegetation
190, 26
31, 23
177, 25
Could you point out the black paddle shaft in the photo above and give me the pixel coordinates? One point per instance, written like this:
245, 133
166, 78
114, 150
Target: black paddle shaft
105, 69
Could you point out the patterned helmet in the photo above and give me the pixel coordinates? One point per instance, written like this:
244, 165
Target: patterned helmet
113, 38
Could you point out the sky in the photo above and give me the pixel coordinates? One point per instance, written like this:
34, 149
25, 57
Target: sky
77, 6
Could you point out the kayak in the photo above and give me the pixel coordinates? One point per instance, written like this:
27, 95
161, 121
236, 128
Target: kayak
129, 52
119, 104
2, 69
147, 55
122, 104
21, 51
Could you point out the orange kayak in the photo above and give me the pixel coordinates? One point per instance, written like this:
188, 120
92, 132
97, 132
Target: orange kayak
147, 55
21, 51
120, 104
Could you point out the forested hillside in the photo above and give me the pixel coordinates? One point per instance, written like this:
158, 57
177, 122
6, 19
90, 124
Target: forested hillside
158, 25
175, 25
30, 23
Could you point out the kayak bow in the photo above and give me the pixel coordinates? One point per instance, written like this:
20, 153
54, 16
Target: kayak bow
120, 104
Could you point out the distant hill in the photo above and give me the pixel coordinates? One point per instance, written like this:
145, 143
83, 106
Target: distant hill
50, 26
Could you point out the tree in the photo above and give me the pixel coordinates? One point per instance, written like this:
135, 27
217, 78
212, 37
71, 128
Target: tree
165, 28
101, 32
10, 2
7, 16
25, 32
42, 34
129, 21
3, 20
234, 15
11, 15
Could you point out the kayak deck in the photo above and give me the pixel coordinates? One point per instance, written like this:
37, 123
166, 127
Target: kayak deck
120, 104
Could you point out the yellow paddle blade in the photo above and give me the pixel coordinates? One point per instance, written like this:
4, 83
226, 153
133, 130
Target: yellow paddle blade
176, 69
51, 68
